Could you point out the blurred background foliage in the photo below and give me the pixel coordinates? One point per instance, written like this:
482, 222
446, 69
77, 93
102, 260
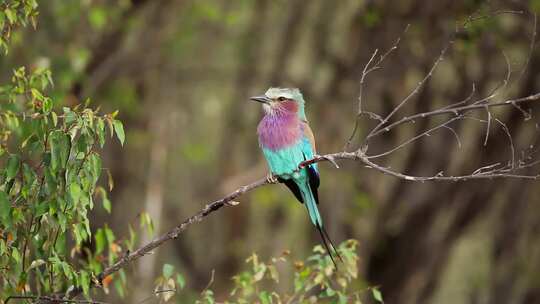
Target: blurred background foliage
180, 74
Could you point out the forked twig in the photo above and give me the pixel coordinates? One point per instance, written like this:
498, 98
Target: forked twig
368, 68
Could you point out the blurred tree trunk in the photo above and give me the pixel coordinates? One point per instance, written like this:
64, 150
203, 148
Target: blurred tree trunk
156, 181
157, 102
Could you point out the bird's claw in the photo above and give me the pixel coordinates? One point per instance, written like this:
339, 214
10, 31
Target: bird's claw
270, 178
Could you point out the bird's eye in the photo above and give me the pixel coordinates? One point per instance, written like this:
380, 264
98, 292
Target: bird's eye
282, 98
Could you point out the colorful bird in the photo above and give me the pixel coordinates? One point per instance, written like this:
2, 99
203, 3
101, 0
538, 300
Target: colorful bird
287, 140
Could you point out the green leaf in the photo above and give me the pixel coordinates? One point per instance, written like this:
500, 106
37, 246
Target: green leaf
16, 255
97, 17
11, 15
54, 118
77, 232
62, 220
180, 280
100, 240
265, 297
94, 162
69, 116
36, 94
107, 204
132, 238
100, 130
75, 193
60, 145
119, 288
119, 130
109, 234
13, 165
5, 208
377, 295
168, 270
342, 299
41, 208
85, 281
105, 201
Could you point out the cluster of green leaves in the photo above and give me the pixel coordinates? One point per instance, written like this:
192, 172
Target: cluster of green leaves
48, 184
13, 14
316, 280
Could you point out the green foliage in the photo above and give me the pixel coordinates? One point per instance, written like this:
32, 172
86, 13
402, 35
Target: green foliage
48, 182
13, 14
315, 280
47, 187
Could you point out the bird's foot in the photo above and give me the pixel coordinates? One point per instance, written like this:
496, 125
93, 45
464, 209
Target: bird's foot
270, 178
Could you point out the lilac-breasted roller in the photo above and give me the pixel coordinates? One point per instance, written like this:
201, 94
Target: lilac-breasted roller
287, 140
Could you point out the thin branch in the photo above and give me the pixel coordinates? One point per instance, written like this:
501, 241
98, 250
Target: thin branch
411, 94
368, 68
415, 138
155, 294
380, 128
440, 177
490, 167
488, 126
464, 101
49, 299
455, 134
510, 141
457, 111
471, 18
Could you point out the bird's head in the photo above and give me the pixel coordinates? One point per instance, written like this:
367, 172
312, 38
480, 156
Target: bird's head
278, 101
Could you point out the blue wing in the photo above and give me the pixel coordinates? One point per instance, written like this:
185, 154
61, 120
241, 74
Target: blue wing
284, 162
312, 170
308, 149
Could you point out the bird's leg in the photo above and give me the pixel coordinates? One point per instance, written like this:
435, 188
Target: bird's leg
270, 178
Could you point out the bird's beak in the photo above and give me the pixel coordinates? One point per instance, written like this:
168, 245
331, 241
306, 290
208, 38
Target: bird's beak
261, 99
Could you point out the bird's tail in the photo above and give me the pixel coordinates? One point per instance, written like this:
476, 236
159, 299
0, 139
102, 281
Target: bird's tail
316, 219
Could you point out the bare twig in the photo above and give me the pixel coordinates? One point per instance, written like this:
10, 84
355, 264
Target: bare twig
209, 282
488, 126
455, 134
464, 101
50, 299
440, 177
425, 133
456, 111
510, 141
473, 18
368, 68
156, 293
479, 170
408, 97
